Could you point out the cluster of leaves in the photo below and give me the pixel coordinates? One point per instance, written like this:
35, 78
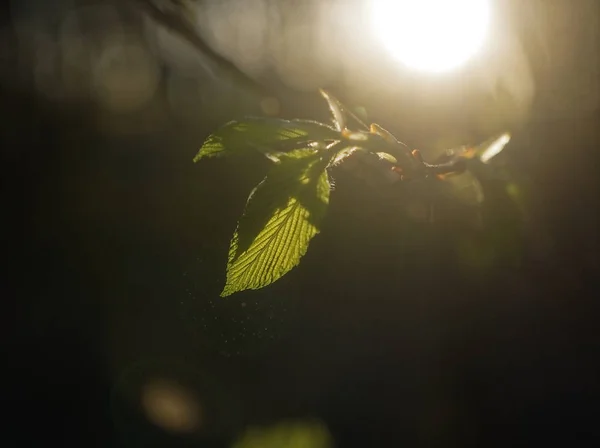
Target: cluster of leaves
284, 212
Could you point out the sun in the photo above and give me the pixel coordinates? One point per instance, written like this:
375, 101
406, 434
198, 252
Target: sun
431, 35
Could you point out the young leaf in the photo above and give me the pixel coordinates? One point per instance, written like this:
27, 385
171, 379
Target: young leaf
270, 136
383, 133
339, 120
398, 150
282, 215
491, 147
374, 168
385, 156
482, 152
340, 113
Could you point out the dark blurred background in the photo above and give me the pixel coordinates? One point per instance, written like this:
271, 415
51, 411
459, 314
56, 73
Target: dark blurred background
389, 333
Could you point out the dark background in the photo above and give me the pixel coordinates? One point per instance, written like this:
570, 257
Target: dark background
115, 247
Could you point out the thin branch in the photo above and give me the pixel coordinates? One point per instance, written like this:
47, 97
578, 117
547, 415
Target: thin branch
176, 24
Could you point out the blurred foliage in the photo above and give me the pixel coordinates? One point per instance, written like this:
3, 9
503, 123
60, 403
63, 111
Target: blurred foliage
293, 434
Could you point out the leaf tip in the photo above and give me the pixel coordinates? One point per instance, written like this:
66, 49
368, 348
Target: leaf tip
202, 154
227, 291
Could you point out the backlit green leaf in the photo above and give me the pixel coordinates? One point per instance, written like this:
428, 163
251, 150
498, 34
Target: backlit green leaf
335, 107
270, 136
282, 215
385, 156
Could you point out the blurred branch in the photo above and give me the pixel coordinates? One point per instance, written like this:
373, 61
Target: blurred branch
173, 19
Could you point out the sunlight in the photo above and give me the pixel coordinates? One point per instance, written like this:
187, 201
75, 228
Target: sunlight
431, 35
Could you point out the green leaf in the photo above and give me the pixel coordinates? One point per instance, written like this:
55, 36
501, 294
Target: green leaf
270, 136
385, 156
282, 215
339, 120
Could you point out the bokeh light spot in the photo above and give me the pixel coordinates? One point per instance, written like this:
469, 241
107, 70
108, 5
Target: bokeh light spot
171, 407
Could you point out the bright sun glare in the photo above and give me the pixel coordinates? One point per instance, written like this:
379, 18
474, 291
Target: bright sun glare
431, 35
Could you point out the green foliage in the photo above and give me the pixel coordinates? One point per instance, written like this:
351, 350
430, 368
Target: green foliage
284, 212
293, 434
282, 215
270, 136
